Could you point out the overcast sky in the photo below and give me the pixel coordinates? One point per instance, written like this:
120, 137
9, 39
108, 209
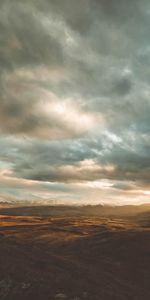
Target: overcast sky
75, 101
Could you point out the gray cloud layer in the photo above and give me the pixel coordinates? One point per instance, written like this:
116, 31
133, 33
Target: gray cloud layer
74, 92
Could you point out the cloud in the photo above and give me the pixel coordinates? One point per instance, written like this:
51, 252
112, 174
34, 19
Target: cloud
81, 171
41, 113
74, 97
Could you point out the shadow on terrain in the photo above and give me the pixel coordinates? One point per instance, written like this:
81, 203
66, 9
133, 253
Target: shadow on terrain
74, 257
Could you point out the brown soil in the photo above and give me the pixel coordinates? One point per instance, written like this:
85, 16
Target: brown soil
97, 258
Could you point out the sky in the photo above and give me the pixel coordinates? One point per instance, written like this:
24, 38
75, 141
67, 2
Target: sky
75, 101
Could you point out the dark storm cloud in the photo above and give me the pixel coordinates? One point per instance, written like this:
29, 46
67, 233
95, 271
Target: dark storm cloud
74, 92
24, 41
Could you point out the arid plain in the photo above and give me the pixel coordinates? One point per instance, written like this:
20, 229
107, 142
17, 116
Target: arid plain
95, 253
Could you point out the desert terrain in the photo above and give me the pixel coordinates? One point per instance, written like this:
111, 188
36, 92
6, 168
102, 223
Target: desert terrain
98, 253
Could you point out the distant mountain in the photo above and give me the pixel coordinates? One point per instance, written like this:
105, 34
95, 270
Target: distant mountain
89, 210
